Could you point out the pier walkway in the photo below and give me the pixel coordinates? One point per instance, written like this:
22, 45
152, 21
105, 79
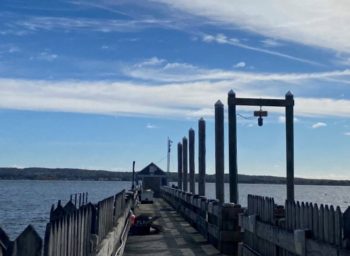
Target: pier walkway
176, 238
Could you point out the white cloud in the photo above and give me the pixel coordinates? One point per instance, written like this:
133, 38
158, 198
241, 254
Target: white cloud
151, 126
184, 100
318, 125
322, 23
156, 87
347, 133
240, 64
154, 61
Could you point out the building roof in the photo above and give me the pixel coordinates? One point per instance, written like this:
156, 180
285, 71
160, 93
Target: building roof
151, 170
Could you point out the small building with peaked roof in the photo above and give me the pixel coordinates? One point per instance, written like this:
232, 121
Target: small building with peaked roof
152, 178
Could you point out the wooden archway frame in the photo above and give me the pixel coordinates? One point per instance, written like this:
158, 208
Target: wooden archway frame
288, 103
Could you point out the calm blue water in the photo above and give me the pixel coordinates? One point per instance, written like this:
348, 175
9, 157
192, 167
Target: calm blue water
29, 202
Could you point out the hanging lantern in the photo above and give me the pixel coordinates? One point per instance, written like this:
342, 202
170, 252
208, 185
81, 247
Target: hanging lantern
260, 114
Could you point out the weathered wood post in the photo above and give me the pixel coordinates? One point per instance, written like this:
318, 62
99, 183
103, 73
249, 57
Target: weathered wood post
133, 175
346, 228
232, 142
179, 165
191, 159
219, 150
201, 157
184, 163
290, 145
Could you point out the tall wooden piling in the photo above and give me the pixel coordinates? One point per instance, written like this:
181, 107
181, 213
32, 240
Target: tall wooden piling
232, 142
184, 163
201, 157
179, 165
191, 159
290, 145
219, 150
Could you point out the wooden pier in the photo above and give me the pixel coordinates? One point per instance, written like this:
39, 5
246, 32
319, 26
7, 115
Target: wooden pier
177, 237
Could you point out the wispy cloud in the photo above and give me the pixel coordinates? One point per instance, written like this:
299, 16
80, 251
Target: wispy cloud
32, 24
185, 100
160, 70
318, 125
347, 133
324, 26
223, 39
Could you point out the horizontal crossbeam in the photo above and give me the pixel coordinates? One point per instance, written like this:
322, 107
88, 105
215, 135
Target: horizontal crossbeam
263, 102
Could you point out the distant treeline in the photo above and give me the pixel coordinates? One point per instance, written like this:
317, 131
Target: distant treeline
35, 173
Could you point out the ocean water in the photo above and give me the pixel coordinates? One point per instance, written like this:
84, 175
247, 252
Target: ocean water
24, 202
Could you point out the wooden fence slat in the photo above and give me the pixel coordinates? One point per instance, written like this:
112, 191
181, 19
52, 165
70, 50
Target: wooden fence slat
28, 243
326, 224
331, 221
321, 223
302, 209
293, 215
288, 217
310, 216
315, 226
338, 227
297, 215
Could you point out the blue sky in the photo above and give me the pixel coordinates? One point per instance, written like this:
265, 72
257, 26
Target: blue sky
98, 84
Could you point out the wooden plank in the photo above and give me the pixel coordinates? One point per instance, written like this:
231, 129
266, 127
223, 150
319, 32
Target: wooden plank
246, 251
315, 223
310, 216
293, 215
321, 223
326, 224
338, 227
287, 214
346, 223
272, 234
318, 248
331, 221
28, 243
297, 215
302, 209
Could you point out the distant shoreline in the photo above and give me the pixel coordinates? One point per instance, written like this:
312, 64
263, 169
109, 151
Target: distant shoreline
252, 183
47, 174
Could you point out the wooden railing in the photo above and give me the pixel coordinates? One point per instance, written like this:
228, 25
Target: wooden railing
215, 221
297, 228
74, 230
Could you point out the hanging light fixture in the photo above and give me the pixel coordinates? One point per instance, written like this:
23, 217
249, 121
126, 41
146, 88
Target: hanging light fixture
260, 114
